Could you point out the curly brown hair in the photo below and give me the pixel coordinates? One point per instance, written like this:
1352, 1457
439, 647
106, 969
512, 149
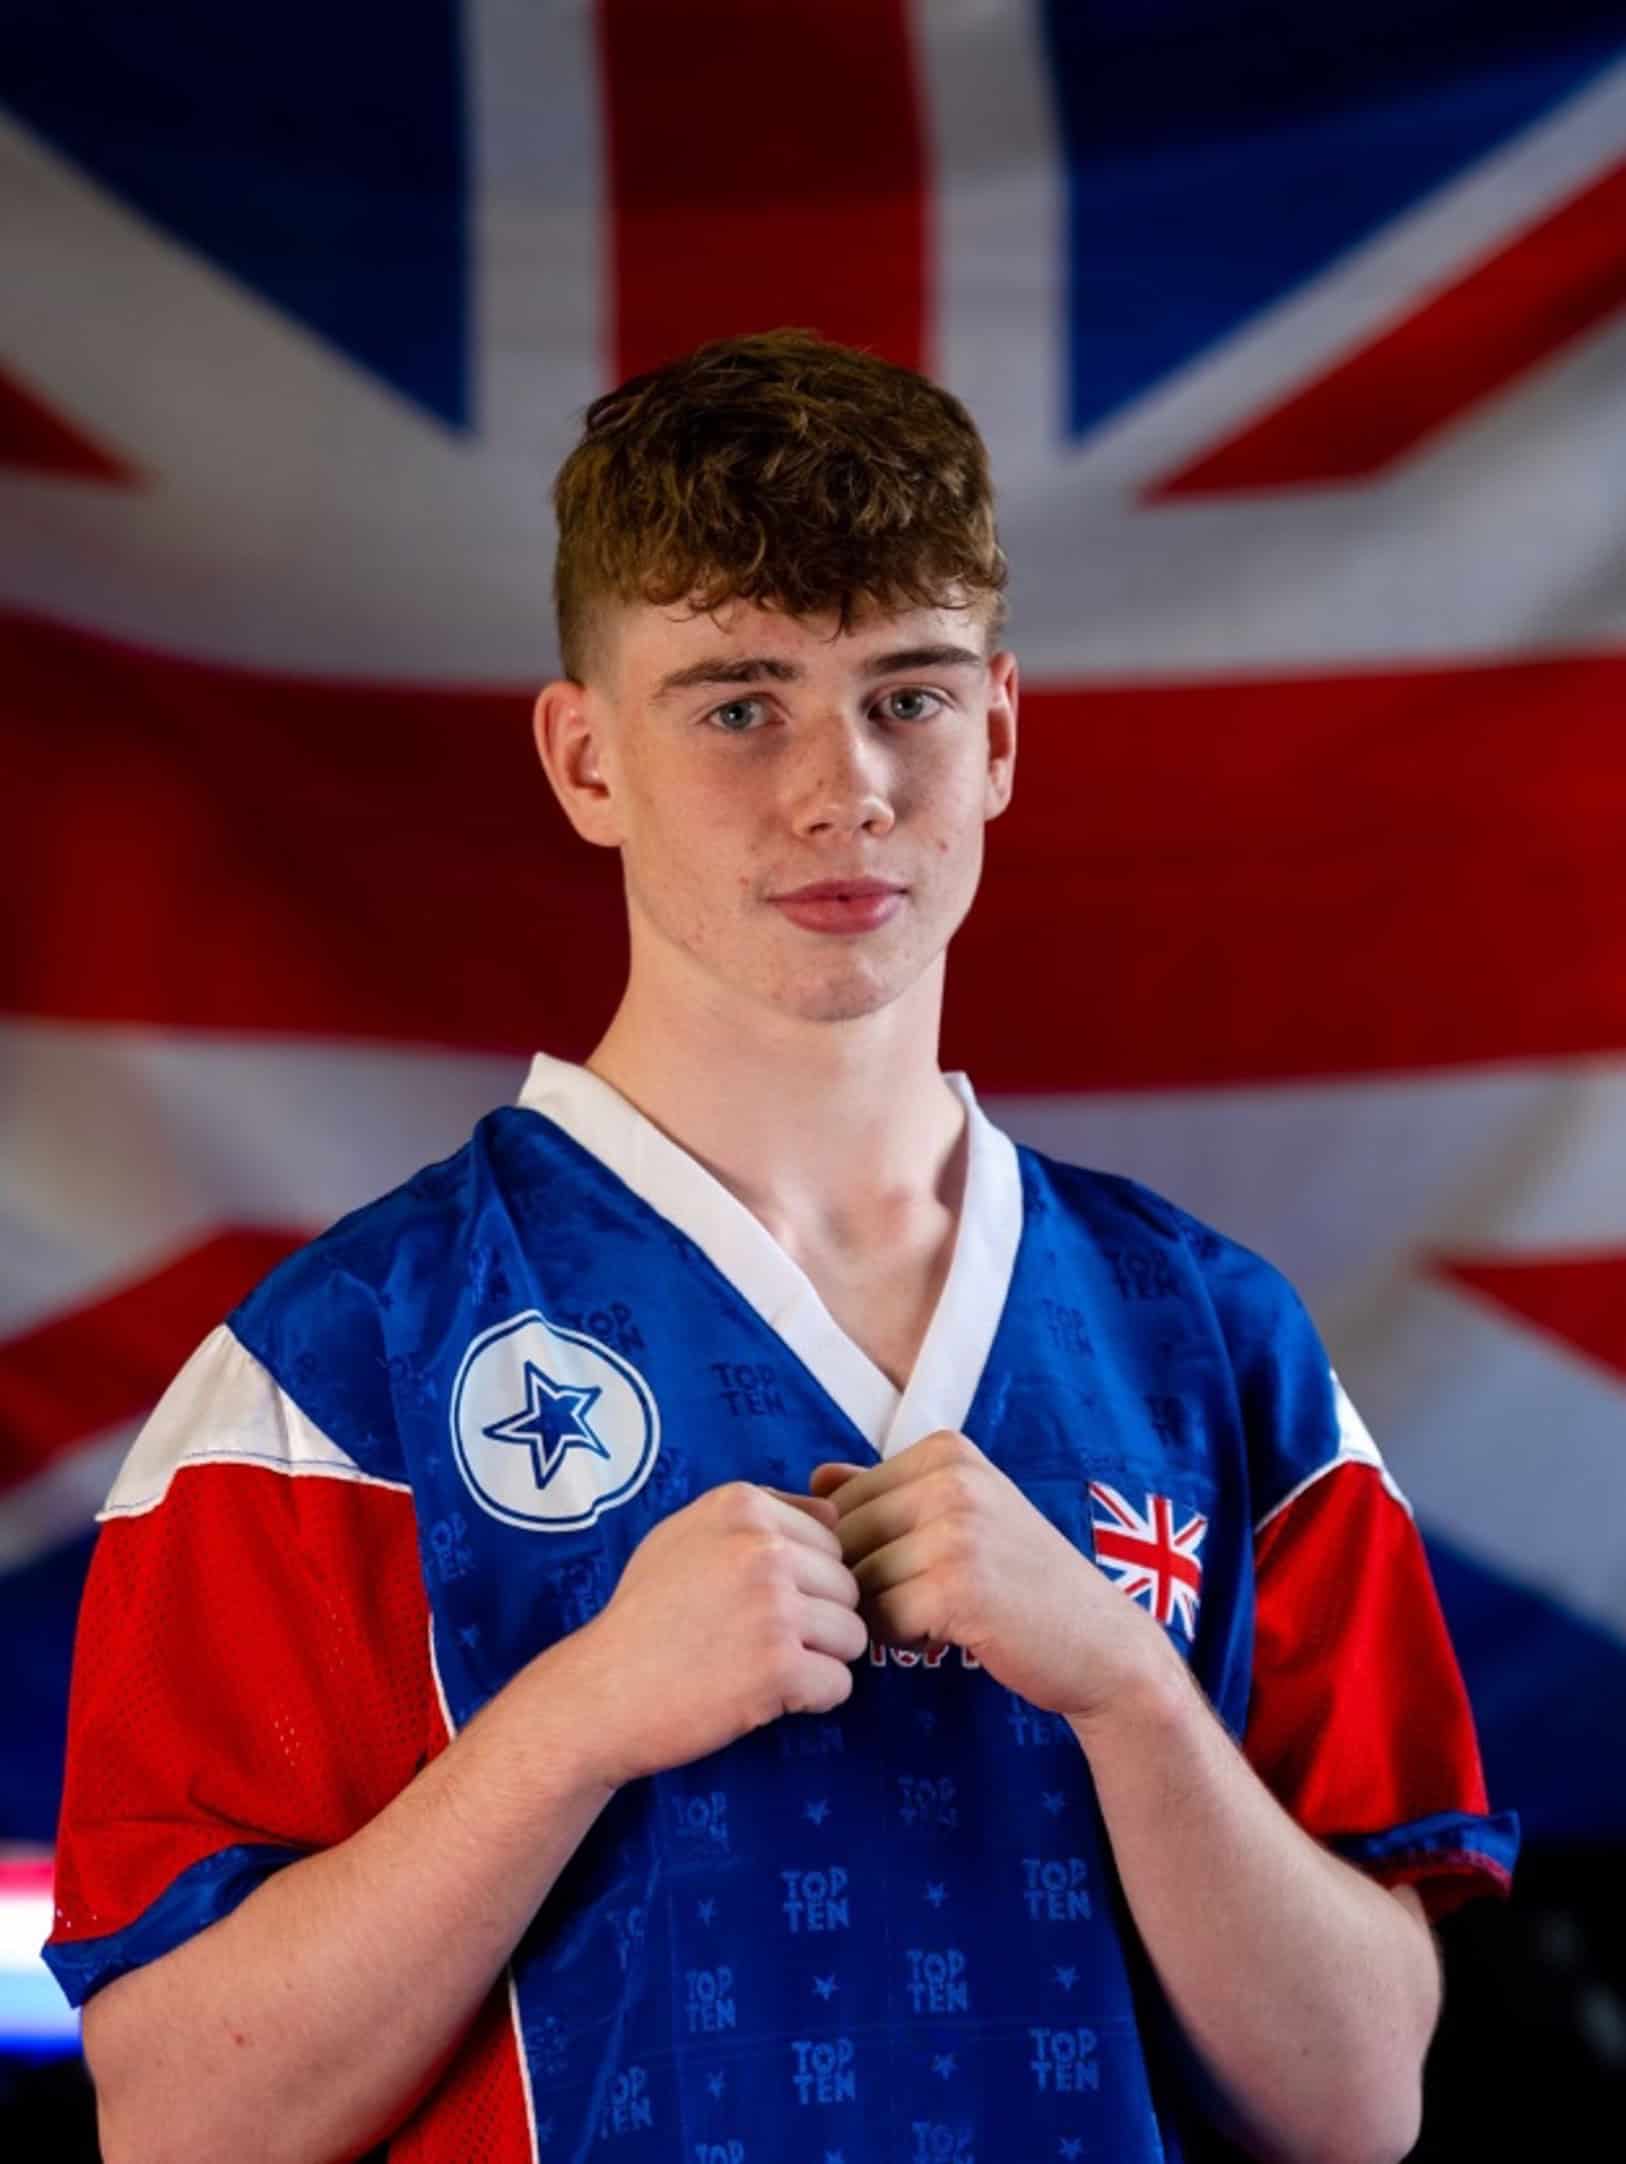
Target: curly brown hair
782, 469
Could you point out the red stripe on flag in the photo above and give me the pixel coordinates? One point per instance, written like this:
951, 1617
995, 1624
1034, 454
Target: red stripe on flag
24, 1878
1198, 883
214, 848
1257, 881
1578, 1299
34, 439
111, 1360
1557, 281
1158, 1555
766, 167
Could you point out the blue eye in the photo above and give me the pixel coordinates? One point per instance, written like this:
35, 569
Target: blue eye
918, 715
726, 716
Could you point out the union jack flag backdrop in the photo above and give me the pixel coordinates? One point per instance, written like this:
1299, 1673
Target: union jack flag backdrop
1298, 336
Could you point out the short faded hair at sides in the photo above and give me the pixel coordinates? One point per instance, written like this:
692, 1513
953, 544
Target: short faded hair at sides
782, 469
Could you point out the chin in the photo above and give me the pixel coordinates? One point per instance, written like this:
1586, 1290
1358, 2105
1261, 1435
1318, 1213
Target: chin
847, 998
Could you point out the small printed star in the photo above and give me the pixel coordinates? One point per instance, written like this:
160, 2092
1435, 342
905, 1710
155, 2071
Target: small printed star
1071, 2146
716, 2083
943, 2064
1052, 1801
817, 1811
705, 1910
927, 1720
834, 2156
825, 1986
469, 1635
936, 1895
1067, 1978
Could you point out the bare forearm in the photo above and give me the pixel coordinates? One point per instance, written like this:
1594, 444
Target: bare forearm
303, 2025
1308, 1990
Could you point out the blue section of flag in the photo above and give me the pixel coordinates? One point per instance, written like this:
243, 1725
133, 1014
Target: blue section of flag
315, 152
39, 1605
1547, 1690
1220, 152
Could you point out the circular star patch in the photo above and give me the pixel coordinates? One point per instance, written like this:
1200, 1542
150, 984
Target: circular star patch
550, 1426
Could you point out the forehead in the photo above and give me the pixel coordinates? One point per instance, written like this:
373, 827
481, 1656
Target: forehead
660, 652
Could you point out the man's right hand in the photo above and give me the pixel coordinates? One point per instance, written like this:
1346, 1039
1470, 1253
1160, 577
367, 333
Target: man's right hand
730, 1612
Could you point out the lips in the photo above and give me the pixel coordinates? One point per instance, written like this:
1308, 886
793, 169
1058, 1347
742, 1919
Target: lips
839, 890
841, 905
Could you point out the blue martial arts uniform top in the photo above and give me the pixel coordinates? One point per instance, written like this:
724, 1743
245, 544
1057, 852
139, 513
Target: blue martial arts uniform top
890, 1933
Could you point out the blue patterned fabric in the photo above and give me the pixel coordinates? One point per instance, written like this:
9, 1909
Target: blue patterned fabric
894, 1932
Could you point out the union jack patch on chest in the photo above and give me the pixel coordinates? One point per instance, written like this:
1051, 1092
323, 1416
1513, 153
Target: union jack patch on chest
1154, 1555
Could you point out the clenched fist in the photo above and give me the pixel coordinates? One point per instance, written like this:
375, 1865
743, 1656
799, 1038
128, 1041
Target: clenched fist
947, 1549
730, 1612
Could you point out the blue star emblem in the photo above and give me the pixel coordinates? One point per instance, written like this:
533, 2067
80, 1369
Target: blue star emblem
1071, 2146
705, 1910
554, 1420
943, 2064
716, 2083
825, 1986
1052, 1802
1067, 1978
936, 1895
835, 2156
818, 1812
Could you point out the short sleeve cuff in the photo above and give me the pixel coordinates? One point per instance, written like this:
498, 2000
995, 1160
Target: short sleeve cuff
201, 1896
1449, 1858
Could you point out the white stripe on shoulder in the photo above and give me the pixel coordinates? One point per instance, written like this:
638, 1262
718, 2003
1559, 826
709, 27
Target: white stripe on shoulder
224, 1408
1355, 1447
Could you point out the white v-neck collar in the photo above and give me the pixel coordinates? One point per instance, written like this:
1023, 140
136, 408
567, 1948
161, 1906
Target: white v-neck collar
955, 1349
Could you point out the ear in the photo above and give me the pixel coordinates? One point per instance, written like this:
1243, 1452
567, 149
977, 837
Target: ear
1002, 695
571, 727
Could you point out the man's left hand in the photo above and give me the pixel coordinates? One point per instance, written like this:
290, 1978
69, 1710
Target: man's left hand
947, 1550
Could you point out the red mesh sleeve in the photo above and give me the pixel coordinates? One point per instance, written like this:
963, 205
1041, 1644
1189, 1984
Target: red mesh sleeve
1359, 1722
251, 1666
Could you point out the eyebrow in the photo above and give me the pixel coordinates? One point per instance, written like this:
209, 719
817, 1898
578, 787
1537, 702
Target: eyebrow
757, 668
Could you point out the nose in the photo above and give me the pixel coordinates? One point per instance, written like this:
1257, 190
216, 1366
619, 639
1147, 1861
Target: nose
843, 782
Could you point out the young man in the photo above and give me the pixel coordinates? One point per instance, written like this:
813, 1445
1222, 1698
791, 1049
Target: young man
621, 1646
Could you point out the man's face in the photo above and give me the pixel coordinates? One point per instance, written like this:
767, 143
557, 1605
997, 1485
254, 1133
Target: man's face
800, 811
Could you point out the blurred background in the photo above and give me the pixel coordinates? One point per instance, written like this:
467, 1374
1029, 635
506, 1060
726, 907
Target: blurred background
1298, 337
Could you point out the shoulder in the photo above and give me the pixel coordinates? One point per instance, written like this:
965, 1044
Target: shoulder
334, 1330
377, 1253
1244, 1287
297, 1378
1291, 1413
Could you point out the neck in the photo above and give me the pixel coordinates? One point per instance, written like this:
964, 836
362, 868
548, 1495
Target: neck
830, 1124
